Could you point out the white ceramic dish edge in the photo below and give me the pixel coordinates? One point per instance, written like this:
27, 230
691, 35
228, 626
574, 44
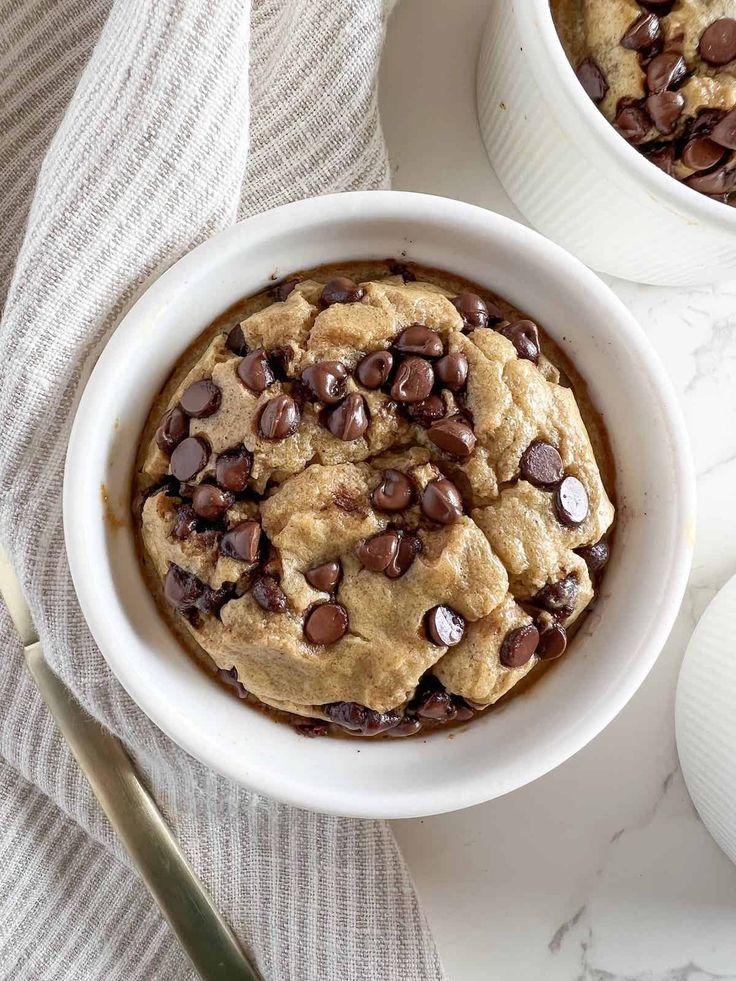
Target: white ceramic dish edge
532, 734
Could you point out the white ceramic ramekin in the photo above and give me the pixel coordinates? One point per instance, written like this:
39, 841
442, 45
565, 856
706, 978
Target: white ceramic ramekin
503, 749
574, 177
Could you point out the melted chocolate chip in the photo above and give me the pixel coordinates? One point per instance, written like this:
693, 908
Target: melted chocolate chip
541, 464
445, 627
592, 79
189, 457
633, 123
373, 370
662, 157
666, 71
326, 381
185, 523
255, 371
475, 311
201, 399
552, 642
702, 153
441, 501
595, 556
324, 577
645, 34
213, 600
376, 553
455, 436
182, 589
269, 595
236, 341
558, 597
414, 380
524, 335
326, 623
419, 339
211, 502
358, 718
232, 469
283, 291
394, 493
341, 290
720, 181
174, 427
519, 645
409, 547
571, 502
452, 371
724, 131
350, 419
407, 727
427, 411
242, 541
437, 706
718, 42
280, 418
665, 108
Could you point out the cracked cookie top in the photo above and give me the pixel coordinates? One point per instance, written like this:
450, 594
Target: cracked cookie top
371, 502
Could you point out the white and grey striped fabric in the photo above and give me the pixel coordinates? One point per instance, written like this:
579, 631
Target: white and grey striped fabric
130, 130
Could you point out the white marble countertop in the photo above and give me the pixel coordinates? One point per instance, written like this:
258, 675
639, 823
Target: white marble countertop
600, 871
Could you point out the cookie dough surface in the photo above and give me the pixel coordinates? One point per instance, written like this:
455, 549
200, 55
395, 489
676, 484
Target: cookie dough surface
665, 75
313, 501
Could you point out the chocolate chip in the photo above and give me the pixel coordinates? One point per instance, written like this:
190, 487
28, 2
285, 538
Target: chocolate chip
324, 577
437, 706
419, 339
427, 411
441, 501
409, 547
552, 642
280, 418
706, 121
720, 181
571, 502
665, 108
173, 428
242, 541
341, 290
633, 123
463, 711
373, 370
718, 42
541, 464
211, 502
644, 34
269, 595
358, 718
407, 727
519, 645
283, 291
326, 381
189, 457
201, 399
475, 311
724, 131
185, 523
377, 552
454, 436
230, 678
445, 627
232, 469
524, 335
255, 371
236, 341
595, 556
181, 588
452, 371
350, 419
213, 600
414, 380
663, 157
326, 623
592, 79
666, 71
702, 153
558, 597
394, 493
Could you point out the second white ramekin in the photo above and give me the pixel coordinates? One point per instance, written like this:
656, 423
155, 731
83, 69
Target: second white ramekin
574, 177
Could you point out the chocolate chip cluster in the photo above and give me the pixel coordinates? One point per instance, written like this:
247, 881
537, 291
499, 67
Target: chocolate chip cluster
381, 492
670, 88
